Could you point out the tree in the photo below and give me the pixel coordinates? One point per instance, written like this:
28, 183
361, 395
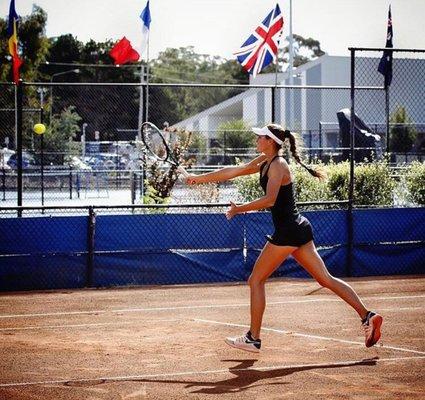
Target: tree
184, 65
235, 134
61, 132
403, 134
33, 45
305, 50
102, 108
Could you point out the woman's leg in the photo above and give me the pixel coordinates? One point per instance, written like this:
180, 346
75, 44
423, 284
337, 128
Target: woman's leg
310, 259
268, 261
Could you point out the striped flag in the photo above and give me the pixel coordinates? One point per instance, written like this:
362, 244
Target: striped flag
261, 48
12, 34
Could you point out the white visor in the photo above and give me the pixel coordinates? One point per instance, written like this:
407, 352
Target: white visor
264, 131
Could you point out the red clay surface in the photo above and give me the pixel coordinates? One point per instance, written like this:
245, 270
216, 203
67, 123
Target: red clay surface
167, 343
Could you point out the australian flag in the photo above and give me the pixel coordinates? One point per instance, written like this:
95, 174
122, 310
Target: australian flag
261, 48
385, 66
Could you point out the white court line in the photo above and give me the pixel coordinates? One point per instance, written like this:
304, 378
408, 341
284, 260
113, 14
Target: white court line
401, 309
128, 310
307, 336
26, 328
347, 363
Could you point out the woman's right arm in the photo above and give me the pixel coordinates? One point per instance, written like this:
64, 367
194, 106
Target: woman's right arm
227, 173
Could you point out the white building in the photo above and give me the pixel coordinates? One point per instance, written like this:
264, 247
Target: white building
314, 109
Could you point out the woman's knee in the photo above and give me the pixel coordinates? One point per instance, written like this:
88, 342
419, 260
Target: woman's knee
325, 280
255, 280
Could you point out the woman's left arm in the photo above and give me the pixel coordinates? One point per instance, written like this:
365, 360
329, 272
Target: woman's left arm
276, 173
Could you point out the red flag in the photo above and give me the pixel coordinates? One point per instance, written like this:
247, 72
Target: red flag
123, 52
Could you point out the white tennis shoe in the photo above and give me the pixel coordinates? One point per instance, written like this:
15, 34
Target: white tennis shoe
245, 342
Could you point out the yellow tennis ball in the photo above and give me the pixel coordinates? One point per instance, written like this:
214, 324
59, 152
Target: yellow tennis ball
39, 129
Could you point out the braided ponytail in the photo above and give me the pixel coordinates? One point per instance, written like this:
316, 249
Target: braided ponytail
293, 148
286, 134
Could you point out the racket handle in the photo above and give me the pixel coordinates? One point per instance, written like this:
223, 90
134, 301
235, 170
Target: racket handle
182, 171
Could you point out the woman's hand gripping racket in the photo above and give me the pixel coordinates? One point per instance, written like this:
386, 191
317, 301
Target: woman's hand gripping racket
156, 144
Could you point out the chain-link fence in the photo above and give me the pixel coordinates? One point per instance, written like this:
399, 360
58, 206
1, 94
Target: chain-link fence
90, 160
92, 145
395, 111
70, 247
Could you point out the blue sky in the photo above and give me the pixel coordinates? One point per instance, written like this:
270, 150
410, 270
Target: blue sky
219, 27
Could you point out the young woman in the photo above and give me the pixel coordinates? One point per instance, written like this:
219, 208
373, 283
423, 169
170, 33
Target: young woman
293, 233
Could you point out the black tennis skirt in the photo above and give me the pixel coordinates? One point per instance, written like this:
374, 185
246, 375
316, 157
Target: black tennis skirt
295, 233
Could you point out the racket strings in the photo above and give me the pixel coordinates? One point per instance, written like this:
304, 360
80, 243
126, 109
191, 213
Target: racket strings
155, 143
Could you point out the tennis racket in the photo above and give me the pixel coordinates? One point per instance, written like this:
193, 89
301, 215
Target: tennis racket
155, 143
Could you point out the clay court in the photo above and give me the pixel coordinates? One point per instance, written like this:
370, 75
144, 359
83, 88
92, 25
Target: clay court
167, 343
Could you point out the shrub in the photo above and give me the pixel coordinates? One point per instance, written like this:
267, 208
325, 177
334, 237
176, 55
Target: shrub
415, 182
338, 180
249, 187
308, 188
373, 184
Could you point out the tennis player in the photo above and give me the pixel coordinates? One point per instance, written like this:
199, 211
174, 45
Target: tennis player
292, 232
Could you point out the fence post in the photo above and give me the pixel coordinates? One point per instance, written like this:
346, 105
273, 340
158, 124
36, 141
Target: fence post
42, 159
387, 117
3, 181
70, 182
145, 100
133, 186
350, 227
90, 247
274, 104
18, 108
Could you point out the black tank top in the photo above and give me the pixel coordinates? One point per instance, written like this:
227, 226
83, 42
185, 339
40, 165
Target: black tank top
284, 208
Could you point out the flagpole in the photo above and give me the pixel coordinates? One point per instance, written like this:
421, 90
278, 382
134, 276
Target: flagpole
147, 79
144, 92
274, 90
291, 75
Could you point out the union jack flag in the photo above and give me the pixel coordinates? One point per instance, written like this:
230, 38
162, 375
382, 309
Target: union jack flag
261, 48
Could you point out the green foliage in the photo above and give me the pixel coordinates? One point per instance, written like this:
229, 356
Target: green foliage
415, 182
151, 195
249, 188
403, 134
236, 134
373, 184
338, 180
305, 49
308, 188
33, 45
198, 143
62, 129
184, 65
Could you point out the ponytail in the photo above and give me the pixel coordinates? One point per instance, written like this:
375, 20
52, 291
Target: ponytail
293, 148
283, 134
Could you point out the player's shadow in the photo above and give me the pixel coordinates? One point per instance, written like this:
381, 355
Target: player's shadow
245, 376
